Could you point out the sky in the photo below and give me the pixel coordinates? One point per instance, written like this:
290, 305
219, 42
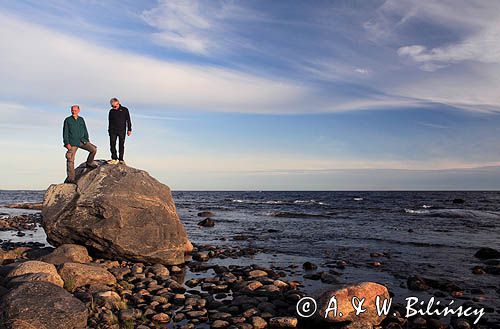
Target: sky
258, 95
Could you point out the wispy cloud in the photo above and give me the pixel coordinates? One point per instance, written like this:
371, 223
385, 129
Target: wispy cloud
432, 125
88, 74
470, 30
201, 27
82, 72
456, 58
181, 24
482, 47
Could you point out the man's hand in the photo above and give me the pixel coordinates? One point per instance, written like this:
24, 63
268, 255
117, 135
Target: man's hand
129, 132
68, 146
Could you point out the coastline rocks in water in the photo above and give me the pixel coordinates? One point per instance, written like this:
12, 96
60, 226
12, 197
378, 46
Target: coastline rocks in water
67, 253
487, 253
206, 214
344, 296
207, 222
42, 305
20, 222
77, 275
117, 212
417, 283
33, 206
308, 266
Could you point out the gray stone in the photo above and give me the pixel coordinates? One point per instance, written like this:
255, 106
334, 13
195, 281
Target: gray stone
68, 253
42, 305
117, 212
77, 275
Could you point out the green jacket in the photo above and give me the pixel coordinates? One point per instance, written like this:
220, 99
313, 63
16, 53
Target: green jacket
75, 131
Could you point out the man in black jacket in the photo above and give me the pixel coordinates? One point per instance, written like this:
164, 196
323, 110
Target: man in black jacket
119, 125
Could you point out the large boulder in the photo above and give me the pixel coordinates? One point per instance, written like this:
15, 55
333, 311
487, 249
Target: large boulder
117, 212
41, 305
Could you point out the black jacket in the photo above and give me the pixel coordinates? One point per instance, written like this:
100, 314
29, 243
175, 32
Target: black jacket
119, 120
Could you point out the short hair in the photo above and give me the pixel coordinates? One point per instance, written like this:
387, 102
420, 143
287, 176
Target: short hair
75, 106
114, 99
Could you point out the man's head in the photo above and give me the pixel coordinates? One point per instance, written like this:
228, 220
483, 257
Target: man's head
75, 109
115, 103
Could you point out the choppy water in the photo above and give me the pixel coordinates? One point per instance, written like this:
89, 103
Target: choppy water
424, 233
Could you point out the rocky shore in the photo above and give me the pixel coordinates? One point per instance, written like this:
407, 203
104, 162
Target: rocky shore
100, 293
95, 279
19, 223
89, 292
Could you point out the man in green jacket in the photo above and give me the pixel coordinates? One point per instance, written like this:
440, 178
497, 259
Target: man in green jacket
75, 135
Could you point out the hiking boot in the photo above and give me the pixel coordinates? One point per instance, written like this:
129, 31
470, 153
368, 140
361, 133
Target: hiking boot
92, 165
112, 162
122, 162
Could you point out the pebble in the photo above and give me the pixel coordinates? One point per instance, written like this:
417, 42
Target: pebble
283, 322
460, 323
258, 322
196, 314
129, 314
419, 322
175, 269
253, 285
161, 317
207, 222
218, 324
179, 317
201, 256
257, 273
308, 266
206, 214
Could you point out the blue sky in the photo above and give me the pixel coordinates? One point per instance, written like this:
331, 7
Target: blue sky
255, 95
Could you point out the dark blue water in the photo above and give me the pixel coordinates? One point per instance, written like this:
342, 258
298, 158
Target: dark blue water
421, 233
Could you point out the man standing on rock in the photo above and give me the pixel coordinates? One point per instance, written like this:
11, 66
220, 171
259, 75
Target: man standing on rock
75, 135
119, 124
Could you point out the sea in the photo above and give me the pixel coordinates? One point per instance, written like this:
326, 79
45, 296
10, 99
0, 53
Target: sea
423, 233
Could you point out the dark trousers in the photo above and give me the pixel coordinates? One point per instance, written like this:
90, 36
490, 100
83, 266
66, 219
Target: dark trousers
121, 145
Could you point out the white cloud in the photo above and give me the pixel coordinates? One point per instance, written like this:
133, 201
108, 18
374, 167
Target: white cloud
362, 71
200, 27
181, 24
480, 47
191, 43
40, 65
473, 23
462, 72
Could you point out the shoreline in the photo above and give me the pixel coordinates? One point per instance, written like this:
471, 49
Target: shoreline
320, 274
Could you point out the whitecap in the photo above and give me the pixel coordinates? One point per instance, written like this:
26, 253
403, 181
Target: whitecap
412, 211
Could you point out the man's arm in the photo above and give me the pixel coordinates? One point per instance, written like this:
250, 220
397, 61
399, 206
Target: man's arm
109, 119
65, 133
129, 123
85, 132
